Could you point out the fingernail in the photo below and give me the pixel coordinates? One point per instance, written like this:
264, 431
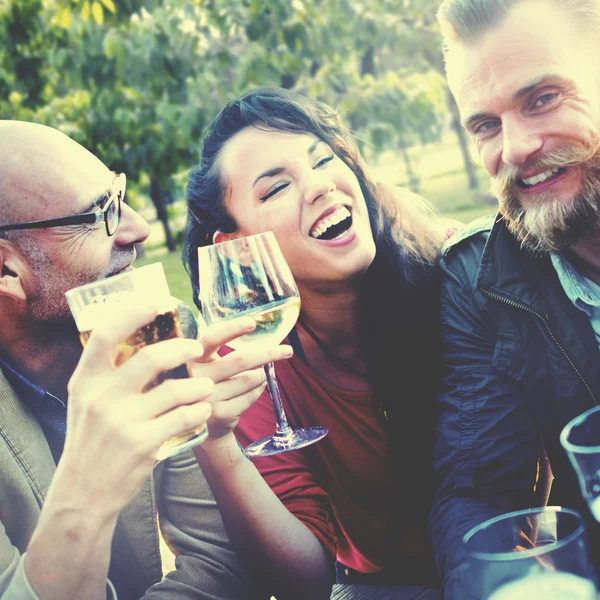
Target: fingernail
287, 351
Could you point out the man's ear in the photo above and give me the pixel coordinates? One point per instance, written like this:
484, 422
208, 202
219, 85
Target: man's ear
221, 236
13, 267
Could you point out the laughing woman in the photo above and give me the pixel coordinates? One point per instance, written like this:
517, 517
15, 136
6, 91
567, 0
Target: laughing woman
365, 351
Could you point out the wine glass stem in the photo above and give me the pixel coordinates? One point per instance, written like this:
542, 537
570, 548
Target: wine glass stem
283, 429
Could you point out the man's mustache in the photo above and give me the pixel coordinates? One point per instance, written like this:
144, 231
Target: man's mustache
562, 158
124, 259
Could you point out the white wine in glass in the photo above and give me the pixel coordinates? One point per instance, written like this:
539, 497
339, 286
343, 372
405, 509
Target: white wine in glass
249, 276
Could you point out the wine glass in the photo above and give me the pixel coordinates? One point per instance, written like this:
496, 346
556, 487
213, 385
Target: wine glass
535, 554
248, 276
581, 440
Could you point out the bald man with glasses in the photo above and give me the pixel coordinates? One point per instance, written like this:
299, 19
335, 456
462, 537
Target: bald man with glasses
81, 494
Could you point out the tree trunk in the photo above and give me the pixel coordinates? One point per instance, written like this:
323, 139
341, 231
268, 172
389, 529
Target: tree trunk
463, 142
413, 178
288, 81
367, 67
436, 59
158, 199
367, 62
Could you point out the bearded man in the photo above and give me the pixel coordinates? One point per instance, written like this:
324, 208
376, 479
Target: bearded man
521, 291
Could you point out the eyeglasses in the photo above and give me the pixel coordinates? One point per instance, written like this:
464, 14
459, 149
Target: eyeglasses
110, 213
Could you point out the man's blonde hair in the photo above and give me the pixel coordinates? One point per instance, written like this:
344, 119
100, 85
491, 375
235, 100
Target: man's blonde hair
465, 21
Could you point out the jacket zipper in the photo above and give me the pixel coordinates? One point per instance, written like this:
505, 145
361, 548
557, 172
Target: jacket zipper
547, 326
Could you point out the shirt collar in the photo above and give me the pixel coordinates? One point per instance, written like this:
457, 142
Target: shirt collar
582, 292
27, 390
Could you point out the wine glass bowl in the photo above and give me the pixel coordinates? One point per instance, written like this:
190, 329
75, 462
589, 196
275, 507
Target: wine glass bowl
248, 276
534, 554
581, 440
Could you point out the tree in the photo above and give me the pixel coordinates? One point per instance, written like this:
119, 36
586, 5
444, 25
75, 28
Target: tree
124, 93
136, 81
420, 20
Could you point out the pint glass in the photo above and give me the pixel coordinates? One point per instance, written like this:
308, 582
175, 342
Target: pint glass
92, 303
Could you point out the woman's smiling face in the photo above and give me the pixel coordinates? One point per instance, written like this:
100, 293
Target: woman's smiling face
294, 185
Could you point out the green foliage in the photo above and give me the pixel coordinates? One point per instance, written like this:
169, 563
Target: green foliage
136, 81
156, 72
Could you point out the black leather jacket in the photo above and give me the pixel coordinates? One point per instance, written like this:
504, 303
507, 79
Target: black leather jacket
519, 361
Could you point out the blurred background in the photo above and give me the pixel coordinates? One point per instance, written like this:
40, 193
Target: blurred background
136, 81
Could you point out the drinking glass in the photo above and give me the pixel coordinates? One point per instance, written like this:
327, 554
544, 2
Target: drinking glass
535, 554
581, 440
249, 276
92, 303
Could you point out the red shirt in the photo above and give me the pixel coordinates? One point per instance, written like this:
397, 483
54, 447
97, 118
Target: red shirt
339, 487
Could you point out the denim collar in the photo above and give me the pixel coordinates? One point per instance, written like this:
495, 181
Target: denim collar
582, 292
27, 390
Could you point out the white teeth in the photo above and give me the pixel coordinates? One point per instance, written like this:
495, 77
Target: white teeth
541, 177
322, 226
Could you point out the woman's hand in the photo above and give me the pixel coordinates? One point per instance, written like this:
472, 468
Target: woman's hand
239, 377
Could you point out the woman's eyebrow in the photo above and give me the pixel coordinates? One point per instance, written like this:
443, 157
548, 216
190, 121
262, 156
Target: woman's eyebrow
314, 145
280, 170
269, 173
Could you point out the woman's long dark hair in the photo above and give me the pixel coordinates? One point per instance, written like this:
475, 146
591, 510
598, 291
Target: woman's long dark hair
398, 300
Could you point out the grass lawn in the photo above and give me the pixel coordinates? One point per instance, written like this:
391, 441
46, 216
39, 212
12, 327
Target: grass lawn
179, 282
443, 180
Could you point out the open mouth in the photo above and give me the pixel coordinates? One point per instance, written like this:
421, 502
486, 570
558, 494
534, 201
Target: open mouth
546, 176
333, 225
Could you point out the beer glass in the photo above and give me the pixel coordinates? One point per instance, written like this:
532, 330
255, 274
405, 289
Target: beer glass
249, 276
581, 440
91, 303
536, 554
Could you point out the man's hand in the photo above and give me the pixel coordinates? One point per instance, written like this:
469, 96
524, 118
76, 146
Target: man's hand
239, 377
114, 430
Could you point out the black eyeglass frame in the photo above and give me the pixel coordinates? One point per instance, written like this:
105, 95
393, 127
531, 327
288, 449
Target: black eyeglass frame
91, 217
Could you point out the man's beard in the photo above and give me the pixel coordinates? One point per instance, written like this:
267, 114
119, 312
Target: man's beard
547, 224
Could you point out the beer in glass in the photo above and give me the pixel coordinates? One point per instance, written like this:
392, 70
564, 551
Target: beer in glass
92, 303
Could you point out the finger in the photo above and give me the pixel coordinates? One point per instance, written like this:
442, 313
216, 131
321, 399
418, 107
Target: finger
176, 422
169, 395
234, 408
241, 360
150, 361
238, 385
214, 336
101, 347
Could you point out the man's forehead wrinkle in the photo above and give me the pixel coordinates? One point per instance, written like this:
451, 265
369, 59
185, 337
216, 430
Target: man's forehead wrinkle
489, 78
